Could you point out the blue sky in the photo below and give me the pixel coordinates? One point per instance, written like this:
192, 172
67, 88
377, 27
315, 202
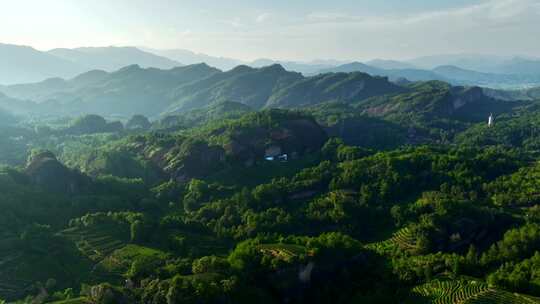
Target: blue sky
279, 29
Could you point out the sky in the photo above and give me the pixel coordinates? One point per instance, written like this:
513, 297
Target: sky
281, 29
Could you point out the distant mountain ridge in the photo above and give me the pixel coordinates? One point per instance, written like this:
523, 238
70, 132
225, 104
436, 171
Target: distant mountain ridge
306, 68
188, 57
20, 64
509, 65
23, 64
153, 92
113, 58
394, 74
390, 64
447, 73
514, 95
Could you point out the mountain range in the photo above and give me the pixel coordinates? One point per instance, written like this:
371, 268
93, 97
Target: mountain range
483, 63
159, 93
188, 57
21, 64
113, 58
448, 73
306, 68
153, 92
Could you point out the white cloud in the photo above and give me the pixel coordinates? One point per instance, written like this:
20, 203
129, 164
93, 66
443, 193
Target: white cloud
493, 26
331, 17
262, 18
235, 23
493, 10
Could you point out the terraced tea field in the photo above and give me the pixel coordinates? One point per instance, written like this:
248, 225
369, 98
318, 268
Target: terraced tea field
285, 252
119, 262
18, 265
468, 292
97, 242
402, 238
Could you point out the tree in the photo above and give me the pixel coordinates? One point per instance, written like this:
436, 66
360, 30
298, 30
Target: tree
210, 264
138, 122
397, 214
472, 256
330, 148
138, 231
142, 266
88, 124
196, 191
104, 294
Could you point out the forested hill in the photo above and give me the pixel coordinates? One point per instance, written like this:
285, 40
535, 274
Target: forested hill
265, 185
525, 94
153, 92
5, 117
233, 205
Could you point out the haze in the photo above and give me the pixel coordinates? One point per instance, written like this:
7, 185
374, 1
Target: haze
299, 30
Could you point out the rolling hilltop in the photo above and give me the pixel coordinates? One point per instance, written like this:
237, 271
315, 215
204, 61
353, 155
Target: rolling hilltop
196, 185
134, 90
23, 64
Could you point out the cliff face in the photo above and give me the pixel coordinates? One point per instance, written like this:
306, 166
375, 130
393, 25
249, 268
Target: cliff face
222, 145
293, 137
434, 100
462, 97
196, 161
471, 104
301, 136
182, 159
45, 171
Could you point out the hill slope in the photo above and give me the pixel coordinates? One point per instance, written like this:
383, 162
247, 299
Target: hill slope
19, 64
448, 73
152, 92
113, 58
128, 91
189, 57
394, 74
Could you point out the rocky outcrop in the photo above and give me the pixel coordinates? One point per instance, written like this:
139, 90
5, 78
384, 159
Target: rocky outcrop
91, 124
183, 160
461, 97
45, 171
292, 137
138, 122
199, 162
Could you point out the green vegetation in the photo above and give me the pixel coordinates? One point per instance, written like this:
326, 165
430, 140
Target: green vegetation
390, 195
469, 292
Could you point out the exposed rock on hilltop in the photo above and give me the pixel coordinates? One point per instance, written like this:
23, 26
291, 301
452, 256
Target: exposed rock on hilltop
180, 159
138, 122
248, 139
225, 144
45, 171
436, 99
90, 124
